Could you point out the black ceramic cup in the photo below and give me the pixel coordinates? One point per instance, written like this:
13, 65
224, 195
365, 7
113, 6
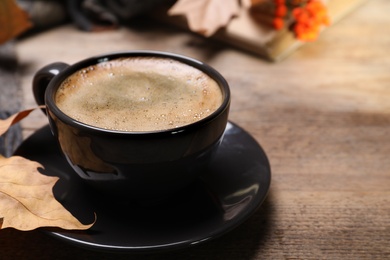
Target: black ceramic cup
136, 165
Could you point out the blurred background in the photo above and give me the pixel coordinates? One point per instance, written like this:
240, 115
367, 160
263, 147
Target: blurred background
313, 93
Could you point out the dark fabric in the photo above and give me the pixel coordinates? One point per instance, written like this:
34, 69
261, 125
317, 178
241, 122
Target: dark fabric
97, 15
11, 96
44, 14
87, 15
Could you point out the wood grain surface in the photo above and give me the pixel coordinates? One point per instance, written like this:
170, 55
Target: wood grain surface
322, 116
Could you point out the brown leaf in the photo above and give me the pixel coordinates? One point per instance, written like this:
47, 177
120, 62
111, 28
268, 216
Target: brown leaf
260, 2
5, 124
13, 20
26, 198
246, 3
206, 16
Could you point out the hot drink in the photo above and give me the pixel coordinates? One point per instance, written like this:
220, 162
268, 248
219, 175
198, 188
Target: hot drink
139, 94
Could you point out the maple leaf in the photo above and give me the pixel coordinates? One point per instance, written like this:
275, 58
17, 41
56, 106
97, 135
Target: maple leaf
13, 20
206, 16
247, 3
26, 198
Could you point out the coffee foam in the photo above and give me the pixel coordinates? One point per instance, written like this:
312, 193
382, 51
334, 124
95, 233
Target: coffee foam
139, 94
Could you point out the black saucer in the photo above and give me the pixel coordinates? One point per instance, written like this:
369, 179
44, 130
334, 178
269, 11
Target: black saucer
224, 197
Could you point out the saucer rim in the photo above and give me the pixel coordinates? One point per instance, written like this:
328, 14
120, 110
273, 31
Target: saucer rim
217, 232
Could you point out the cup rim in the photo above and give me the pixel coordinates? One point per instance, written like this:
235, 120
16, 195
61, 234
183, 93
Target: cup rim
210, 71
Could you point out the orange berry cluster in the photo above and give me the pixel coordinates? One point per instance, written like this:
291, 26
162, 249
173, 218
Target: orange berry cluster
309, 19
280, 13
309, 16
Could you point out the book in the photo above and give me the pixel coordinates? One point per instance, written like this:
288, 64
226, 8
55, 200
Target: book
249, 34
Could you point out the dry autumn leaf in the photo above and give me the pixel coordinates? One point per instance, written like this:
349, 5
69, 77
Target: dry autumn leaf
206, 16
13, 20
26, 198
5, 124
257, 2
246, 3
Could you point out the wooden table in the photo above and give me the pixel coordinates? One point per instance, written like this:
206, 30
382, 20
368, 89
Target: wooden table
322, 115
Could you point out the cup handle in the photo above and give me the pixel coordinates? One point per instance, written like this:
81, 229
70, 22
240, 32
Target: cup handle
42, 78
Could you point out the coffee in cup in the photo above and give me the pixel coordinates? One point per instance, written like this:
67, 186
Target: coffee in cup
139, 94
